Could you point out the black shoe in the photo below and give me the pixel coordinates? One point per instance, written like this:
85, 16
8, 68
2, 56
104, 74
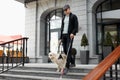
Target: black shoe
72, 65
65, 71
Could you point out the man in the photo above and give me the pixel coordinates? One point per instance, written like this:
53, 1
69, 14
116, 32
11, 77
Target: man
69, 28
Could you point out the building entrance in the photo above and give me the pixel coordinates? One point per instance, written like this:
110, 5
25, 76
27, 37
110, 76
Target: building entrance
53, 24
114, 30
107, 20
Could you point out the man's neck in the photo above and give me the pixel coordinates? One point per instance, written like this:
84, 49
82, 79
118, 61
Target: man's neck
68, 14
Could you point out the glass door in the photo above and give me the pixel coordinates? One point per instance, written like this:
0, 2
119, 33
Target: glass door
53, 30
112, 29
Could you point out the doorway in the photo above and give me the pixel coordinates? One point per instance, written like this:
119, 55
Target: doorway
53, 30
113, 29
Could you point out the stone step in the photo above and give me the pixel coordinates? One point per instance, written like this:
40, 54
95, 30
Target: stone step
32, 71
29, 77
53, 67
76, 70
45, 72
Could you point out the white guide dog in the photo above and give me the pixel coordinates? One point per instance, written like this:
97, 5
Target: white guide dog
59, 59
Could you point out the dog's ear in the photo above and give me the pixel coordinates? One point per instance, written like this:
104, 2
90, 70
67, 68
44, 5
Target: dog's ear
50, 53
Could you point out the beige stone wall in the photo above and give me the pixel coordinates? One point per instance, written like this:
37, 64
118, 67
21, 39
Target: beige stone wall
30, 27
83, 10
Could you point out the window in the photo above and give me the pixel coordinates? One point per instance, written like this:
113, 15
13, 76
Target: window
108, 5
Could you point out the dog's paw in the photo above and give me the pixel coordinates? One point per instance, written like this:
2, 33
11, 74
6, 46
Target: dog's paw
58, 70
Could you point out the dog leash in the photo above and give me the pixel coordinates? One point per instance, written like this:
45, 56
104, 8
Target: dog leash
69, 46
60, 50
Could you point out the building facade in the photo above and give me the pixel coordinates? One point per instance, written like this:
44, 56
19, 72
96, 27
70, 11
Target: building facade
43, 22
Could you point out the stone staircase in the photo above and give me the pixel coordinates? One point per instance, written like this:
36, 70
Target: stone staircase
38, 71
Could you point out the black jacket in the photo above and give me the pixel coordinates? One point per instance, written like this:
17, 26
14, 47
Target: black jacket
72, 26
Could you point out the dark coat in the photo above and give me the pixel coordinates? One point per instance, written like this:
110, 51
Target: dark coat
73, 25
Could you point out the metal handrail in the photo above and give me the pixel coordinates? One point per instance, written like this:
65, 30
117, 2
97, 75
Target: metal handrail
13, 53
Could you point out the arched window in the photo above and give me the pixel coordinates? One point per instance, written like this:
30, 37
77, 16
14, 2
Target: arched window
107, 20
53, 24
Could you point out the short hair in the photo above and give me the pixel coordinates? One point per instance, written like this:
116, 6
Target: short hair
66, 7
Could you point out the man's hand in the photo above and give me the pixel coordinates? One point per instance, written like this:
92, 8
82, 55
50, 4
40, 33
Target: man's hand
71, 36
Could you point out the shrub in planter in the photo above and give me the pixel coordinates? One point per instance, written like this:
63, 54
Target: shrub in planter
107, 44
84, 40
108, 40
84, 54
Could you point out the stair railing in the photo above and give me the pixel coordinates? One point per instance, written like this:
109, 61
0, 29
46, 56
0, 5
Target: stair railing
106, 64
13, 53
